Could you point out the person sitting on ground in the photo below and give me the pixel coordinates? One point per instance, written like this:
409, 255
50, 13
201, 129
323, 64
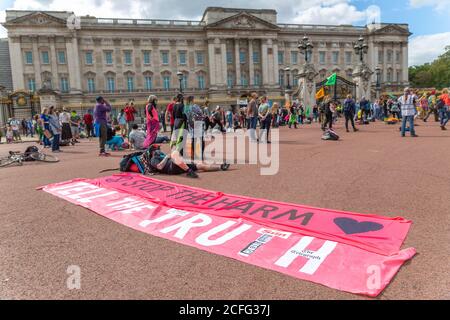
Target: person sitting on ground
114, 142
174, 164
137, 138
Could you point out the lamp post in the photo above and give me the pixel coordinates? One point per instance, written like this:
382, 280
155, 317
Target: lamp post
180, 78
305, 46
287, 71
378, 88
361, 49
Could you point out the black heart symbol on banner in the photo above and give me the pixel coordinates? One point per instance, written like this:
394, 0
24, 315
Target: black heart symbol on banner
351, 226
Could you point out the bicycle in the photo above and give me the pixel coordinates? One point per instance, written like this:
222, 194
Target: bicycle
17, 157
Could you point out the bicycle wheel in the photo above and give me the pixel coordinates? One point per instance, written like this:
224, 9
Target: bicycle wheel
7, 161
39, 156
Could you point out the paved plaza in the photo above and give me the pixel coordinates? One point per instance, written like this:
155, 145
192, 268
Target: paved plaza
374, 171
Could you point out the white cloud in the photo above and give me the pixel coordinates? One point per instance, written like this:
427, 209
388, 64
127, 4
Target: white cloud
426, 48
3, 33
438, 5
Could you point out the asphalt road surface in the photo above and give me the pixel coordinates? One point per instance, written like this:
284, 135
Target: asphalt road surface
373, 171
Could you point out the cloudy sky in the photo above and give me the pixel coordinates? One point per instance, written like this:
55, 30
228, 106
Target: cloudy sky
428, 19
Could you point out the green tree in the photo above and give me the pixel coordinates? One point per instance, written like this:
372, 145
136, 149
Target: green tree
436, 74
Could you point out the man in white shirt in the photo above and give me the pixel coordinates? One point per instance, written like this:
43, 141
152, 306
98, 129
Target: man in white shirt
408, 109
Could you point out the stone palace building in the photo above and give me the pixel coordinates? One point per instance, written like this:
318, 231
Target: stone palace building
70, 60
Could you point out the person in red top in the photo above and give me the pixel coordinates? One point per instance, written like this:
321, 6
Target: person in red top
89, 127
169, 114
129, 115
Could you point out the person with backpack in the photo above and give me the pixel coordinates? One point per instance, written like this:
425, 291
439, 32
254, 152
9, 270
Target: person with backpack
432, 107
408, 108
349, 112
443, 106
152, 121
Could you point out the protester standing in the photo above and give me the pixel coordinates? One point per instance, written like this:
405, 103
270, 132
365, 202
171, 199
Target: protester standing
349, 112
100, 114
408, 109
55, 128
88, 123
130, 111
252, 116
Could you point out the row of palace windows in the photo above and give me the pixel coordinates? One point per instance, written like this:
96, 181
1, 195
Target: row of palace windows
147, 57
111, 83
45, 57
389, 56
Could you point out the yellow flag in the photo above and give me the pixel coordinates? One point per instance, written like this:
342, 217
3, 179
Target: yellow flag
320, 94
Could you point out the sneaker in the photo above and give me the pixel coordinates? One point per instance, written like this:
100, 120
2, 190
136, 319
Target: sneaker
443, 128
348, 130
104, 154
191, 174
414, 136
224, 167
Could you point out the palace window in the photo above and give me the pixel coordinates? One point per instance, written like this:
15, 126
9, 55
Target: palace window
398, 76
294, 57
130, 84
397, 56
61, 57
242, 57
380, 56
257, 80
348, 57
389, 56
45, 57
165, 57
148, 83
229, 57
182, 57
108, 57
166, 82
322, 57
88, 57
64, 84
111, 84
184, 81
335, 56
31, 84
91, 85
281, 78
128, 57
147, 57
200, 58
29, 57
255, 57
230, 80
201, 82
244, 81
280, 57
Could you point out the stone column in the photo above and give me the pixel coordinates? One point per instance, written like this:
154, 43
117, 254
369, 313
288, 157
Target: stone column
54, 59
275, 65
37, 63
251, 66
17, 61
223, 60
212, 63
264, 63
73, 63
237, 62
405, 73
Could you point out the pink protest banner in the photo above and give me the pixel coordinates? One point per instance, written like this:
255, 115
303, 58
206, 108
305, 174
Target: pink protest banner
289, 250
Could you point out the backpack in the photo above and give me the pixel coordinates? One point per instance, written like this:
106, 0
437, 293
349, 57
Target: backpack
127, 161
440, 104
349, 106
330, 135
28, 151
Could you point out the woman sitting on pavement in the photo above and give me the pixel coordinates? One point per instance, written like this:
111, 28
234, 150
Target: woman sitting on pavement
114, 142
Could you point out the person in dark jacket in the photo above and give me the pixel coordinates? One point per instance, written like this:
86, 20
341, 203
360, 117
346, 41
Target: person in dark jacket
349, 112
101, 109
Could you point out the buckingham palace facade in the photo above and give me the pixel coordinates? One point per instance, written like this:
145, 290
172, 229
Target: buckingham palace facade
226, 54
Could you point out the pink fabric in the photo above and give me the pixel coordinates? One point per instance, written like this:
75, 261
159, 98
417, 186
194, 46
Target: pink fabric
189, 216
152, 127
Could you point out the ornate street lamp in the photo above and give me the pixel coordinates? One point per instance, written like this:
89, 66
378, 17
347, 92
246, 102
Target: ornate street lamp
305, 47
287, 72
180, 78
378, 73
361, 49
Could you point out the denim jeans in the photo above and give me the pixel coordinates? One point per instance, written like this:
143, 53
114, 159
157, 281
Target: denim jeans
443, 115
55, 142
409, 119
252, 127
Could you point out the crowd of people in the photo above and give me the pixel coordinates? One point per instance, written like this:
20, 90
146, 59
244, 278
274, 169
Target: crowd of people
62, 127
